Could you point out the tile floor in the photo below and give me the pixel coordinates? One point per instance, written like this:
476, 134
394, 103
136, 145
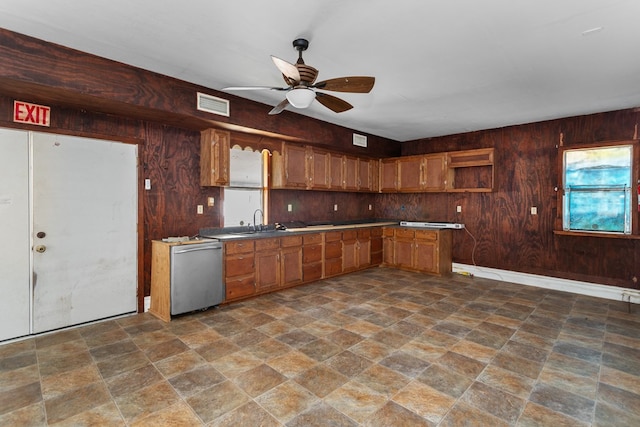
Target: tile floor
376, 348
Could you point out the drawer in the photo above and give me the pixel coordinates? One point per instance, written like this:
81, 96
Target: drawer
238, 265
376, 231
238, 247
405, 233
311, 239
426, 235
312, 272
350, 235
289, 241
364, 233
267, 244
388, 232
333, 249
241, 287
311, 253
332, 236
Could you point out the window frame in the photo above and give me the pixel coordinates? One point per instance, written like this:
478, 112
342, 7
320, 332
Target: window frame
634, 207
262, 188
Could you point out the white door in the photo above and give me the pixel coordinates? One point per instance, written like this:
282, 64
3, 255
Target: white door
14, 229
84, 230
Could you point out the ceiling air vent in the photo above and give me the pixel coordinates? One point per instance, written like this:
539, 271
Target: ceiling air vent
212, 104
359, 140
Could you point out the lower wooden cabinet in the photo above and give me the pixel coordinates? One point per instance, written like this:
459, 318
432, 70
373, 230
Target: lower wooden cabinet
239, 269
312, 256
256, 266
262, 265
332, 253
424, 250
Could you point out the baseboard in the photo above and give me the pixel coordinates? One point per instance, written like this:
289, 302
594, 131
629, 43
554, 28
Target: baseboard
565, 285
147, 303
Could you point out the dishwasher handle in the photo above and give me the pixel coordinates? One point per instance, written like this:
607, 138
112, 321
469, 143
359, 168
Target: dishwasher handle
196, 248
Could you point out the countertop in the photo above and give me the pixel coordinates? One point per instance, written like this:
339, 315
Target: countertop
223, 236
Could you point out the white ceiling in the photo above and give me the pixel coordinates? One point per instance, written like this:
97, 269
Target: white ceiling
441, 67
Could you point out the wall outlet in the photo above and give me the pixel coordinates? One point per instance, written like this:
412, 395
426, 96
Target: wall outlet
147, 184
534, 210
335, 208
289, 207
370, 207
200, 209
210, 201
458, 208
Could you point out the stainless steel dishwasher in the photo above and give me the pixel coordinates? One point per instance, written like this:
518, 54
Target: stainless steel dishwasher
196, 276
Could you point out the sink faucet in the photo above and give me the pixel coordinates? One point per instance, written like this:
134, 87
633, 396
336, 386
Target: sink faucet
255, 224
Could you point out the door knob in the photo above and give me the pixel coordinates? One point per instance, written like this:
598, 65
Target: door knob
41, 248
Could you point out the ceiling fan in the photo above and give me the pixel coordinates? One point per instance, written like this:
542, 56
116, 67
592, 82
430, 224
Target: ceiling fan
302, 89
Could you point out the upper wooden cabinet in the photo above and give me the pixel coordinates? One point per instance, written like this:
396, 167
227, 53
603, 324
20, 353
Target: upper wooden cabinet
388, 175
214, 157
434, 172
456, 171
367, 175
421, 173
351, 173
336, 166
312, 168
410, 174
290, 167
319, 170
470, 170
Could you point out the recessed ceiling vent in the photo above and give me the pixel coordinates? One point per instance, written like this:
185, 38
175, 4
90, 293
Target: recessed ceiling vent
213, 104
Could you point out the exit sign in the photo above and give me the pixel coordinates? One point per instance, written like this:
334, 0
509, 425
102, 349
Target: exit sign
33, 114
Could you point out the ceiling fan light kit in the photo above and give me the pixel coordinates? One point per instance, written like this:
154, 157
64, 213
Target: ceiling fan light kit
301, 90
301, 97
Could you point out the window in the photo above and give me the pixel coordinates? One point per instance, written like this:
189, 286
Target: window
597, 184
246, 192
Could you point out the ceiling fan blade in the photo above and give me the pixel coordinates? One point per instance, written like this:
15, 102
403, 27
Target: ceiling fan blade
333, 103
287, 69
278, 108
254, 88
354, 84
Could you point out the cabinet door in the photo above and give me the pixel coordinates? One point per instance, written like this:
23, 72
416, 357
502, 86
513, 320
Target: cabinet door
337, 171
434, 172
214, 157
319, 168
364, 175
350, 173
364, 248
291, 262
388, 175
426, 256
349, 255
295, 166
410, 174
267, 270
403, 253
388, 251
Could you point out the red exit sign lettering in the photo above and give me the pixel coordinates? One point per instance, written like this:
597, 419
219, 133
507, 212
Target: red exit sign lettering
33, 114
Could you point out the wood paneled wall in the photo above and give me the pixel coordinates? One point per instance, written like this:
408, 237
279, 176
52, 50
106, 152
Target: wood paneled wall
99, 98
508, 236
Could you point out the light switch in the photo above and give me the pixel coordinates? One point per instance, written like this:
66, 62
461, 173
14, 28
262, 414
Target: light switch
289, 207
335, 208
458, 208
534, 210
210, 201
200, 209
